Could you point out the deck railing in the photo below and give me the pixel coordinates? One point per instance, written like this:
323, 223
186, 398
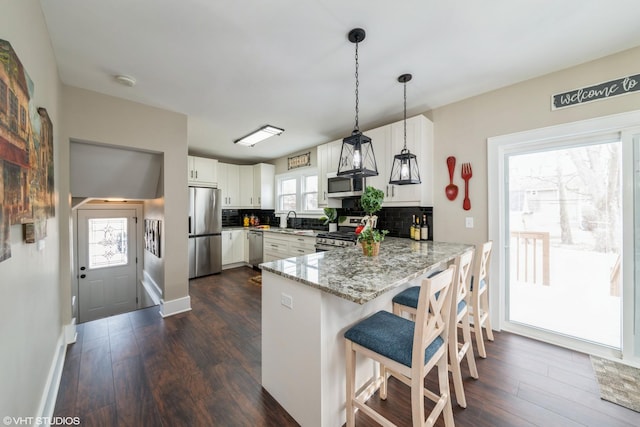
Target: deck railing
531, 256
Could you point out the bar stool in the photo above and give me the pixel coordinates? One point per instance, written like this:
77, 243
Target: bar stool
406, 350
459, 318
479, 297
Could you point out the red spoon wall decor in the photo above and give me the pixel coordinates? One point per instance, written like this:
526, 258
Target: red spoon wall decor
451, 190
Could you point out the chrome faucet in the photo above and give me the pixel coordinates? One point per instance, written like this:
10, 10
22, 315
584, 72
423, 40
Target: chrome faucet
294, 215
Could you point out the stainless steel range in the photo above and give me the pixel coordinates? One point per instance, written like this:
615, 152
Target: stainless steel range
345, 236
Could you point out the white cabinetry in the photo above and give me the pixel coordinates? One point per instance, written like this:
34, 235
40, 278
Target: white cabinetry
328, 158
264, 186
232, 246
202, 172
280, 246
387, 142
247, 186
228, 181
274, 246
245, 178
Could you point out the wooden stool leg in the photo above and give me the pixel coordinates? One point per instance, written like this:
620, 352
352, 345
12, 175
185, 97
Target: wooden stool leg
477, 329
487, 322
466, 333
443, 379
456, 373
350, 363
383, 385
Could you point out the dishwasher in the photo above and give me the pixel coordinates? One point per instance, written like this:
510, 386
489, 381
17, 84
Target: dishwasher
255, 247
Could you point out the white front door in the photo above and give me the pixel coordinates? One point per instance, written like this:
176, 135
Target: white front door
106, 262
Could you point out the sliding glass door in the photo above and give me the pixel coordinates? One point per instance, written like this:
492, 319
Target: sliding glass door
564, 226
564, 216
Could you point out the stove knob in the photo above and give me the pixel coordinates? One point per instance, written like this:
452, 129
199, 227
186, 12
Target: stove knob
343, 243
331, 242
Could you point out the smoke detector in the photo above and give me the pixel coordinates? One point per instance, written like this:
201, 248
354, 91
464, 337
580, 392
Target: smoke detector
125, 80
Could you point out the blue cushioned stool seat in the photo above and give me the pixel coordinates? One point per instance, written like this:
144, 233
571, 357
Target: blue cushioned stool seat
409, 297
389, 335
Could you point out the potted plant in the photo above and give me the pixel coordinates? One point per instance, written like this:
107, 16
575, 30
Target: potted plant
331, 217
369, 237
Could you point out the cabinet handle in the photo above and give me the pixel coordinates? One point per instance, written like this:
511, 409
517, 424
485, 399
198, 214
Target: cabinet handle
196, 174
393, 191
325, 196
250, 200
191, 173
387, 191
259, 200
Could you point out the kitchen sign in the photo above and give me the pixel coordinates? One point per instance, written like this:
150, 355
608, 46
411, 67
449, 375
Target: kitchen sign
621, 86
299, 161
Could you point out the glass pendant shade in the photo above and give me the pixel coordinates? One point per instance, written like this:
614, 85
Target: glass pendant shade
356, 157
405, 169
405, 165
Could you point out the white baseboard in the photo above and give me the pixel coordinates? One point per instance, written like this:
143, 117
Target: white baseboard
70, 334
180, 305
50, 391
152, 288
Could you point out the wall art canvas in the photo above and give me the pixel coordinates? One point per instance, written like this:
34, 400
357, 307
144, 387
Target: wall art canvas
26, 151
152, 236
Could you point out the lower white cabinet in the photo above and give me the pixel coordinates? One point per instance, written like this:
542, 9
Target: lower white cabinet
280, 246
232, 246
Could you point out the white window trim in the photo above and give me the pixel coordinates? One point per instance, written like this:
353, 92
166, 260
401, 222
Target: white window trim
497, 147
298, 175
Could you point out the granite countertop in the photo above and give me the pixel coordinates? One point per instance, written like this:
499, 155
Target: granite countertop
348, 274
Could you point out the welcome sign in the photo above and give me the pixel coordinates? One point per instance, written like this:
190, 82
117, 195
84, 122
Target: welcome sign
621, 86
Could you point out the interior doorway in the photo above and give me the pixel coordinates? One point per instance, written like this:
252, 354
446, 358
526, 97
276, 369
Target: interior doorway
107, 247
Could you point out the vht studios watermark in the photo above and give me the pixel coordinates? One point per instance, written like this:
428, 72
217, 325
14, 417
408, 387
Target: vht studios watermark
38, 421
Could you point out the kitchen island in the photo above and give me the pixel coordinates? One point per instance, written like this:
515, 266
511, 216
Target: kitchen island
309, 301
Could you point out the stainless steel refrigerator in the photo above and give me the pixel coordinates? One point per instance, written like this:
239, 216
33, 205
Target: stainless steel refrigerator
205, 226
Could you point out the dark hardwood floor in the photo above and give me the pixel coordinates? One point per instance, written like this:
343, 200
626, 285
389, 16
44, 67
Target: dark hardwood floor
202, 368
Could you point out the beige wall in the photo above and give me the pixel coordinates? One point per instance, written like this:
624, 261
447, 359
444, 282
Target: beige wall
93, 117
30, 287
462, 129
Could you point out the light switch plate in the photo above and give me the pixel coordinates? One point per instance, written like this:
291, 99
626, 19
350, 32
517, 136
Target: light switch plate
468, 221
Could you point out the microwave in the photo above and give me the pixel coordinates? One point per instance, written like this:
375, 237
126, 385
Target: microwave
344, 186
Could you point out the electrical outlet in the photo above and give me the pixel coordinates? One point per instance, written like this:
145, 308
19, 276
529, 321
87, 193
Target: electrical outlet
468, 221
286, 300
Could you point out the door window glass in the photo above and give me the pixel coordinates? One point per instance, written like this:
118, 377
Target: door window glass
107, 242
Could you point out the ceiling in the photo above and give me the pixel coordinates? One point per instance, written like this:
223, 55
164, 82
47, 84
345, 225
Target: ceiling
233, 66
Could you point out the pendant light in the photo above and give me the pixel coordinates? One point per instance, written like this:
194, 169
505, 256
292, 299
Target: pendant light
356, 157
405, 165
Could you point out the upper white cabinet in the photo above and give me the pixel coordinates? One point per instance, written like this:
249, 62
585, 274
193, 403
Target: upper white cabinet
264, 186
246, 190
202, 171
228, 182
328, 158
247, 186
387, 142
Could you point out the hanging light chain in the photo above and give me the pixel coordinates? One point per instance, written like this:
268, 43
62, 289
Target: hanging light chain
405, 115
357, 84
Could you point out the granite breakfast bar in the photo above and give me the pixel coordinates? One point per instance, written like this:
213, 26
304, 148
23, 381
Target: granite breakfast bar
309, 301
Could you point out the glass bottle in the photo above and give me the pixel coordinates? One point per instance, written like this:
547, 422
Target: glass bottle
424, 231
412, 230
416, 233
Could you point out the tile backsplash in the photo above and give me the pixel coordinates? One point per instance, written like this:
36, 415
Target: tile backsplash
396, 220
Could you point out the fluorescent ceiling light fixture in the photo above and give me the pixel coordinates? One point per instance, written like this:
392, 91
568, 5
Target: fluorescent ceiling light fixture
260, 135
